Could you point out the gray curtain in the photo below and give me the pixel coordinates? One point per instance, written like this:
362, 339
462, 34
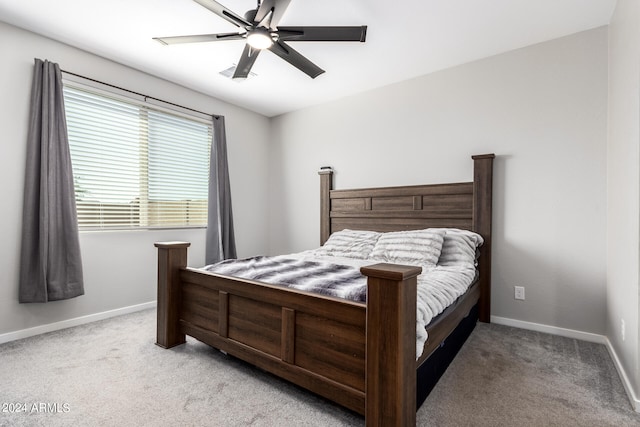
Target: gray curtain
220, 243
50, 264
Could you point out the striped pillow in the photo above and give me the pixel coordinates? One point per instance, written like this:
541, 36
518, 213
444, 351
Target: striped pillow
416, 247
460, 248
346, 243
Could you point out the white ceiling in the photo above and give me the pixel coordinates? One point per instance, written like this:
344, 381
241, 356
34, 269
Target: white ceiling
405, 39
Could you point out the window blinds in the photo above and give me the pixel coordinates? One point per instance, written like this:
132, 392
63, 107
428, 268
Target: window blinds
136, 165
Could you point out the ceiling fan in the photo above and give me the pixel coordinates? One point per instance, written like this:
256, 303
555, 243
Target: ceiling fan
260, 29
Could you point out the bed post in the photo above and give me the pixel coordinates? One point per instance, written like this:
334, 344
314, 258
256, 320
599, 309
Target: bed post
172, 256
326, 185
482, 205
390, 389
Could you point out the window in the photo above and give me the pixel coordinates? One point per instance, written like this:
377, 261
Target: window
136, 165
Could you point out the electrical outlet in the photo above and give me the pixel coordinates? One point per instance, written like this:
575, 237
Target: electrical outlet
519, 292
622, 329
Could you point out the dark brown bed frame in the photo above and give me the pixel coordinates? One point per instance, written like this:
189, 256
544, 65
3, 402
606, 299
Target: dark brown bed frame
361, 356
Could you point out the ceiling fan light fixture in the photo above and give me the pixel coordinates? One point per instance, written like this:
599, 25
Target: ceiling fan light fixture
259, 38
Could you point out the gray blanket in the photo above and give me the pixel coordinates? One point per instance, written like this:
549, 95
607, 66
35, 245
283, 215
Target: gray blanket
335, 280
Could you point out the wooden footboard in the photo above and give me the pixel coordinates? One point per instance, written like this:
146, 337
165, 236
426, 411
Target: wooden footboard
360, 356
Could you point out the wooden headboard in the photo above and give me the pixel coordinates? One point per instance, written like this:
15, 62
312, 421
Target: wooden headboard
464, 205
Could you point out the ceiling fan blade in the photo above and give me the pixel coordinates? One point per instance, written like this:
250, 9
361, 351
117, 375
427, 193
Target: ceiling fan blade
199, 38
275, 7
248, 58
323, 34
224, 13
294, 58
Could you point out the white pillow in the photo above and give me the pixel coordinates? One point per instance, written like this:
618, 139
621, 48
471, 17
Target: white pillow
350, 244
415, 247
460, 248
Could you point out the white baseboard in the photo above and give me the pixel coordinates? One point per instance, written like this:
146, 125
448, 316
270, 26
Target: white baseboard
43, 329
553, 330
579, 335
635, 402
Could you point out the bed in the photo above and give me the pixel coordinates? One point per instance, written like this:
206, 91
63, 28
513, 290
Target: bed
361, 356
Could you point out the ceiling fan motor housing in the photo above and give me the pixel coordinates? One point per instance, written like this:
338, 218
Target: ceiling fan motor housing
250, 15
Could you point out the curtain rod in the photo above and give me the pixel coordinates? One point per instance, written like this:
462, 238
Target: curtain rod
140, 94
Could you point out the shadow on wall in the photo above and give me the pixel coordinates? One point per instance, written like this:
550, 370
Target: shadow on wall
560, 291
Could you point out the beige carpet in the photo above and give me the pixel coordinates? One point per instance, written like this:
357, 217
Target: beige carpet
110, 373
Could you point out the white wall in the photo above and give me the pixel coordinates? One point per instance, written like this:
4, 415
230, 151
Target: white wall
623, 188
119, 267
541, 109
